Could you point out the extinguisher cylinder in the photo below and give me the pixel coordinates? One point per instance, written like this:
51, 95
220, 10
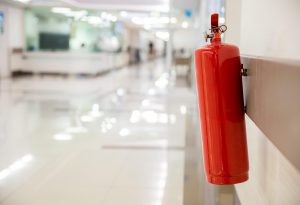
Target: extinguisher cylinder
221, 106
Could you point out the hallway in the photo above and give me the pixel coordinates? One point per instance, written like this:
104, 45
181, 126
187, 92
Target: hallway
119, 138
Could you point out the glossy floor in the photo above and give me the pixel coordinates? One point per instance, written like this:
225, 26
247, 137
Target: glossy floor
111, 140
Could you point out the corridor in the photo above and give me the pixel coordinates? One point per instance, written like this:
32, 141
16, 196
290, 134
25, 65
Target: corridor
115, 139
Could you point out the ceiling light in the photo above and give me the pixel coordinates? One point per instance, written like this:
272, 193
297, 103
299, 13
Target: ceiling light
76, 14
123, 14
94, 20
61, 10
150, 20
104, 14
23, 1
185, 24
156, 14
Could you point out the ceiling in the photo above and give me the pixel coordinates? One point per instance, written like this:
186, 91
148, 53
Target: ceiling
129, 5
134, 5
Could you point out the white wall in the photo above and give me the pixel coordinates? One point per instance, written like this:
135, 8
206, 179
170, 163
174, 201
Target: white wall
187, 38
233, 21
266, 29
13, 36
16, 27
273, 179
4, 45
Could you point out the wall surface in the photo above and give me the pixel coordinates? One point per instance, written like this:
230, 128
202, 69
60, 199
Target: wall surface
4, 45
13, 36
270, 28
273, 179
187, 39
16, 27
265, 32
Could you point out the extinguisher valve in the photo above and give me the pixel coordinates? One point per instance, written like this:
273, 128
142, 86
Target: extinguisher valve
215, 30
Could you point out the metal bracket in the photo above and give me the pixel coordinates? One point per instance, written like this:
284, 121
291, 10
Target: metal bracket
244, 71
208, 36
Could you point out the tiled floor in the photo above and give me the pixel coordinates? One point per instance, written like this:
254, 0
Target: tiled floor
111, 140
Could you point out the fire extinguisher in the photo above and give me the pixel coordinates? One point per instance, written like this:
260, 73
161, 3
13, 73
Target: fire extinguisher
220, 93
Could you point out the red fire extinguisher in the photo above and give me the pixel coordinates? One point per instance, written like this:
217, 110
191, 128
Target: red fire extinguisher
219, 84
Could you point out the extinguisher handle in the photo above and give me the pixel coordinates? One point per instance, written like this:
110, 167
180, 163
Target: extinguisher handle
214, 22
215, 28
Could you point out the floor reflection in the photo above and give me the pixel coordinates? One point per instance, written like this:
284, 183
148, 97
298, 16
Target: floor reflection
114, 139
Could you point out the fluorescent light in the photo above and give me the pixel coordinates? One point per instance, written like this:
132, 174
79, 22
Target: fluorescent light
109, 17
185, 24
61, 10
155, 14
150, 20
123, 14
68, 12
94, 20
23, 1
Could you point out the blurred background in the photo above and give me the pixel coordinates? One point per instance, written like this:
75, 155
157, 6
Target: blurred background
98, 101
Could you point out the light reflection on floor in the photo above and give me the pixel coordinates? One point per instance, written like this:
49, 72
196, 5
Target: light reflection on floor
114, 139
